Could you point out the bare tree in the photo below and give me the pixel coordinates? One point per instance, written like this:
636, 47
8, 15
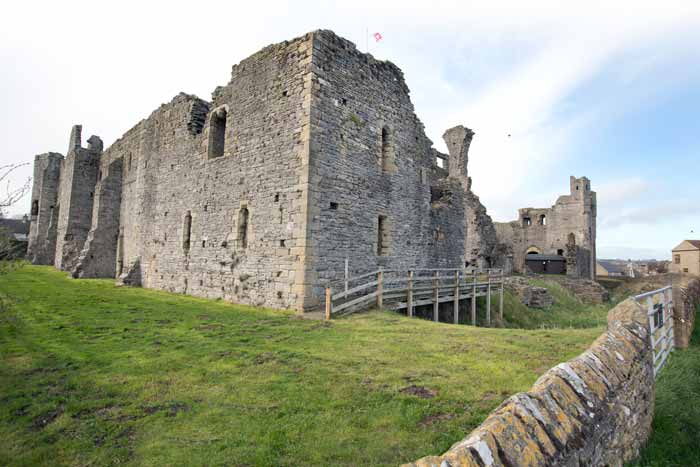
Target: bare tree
11, 193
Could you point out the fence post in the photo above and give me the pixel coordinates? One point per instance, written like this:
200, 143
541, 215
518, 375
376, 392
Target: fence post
455, 305
347, 276
380, 277
474, 300
500, 299
436, 304
329, 304
488, 297
409, 299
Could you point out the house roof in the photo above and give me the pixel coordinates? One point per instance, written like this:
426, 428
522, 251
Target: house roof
611, 267
539, 257
688, 245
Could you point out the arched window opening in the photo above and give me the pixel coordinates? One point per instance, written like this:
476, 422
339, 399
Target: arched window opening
527, 222
217, 133
571, 239
35, 207
187, 231
543, 219
243, 219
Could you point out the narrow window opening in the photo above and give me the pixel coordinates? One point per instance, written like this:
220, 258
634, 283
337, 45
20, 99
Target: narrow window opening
35, 207
99, 175
204, 243
205, 208
344, 101
560, 252
282, 244
386, 149
284, 93
186, 231
334, 206
382, 236
243, 227
527, 222
576, 187
128, 163
543, 220
217, 133
277, 197
571, 239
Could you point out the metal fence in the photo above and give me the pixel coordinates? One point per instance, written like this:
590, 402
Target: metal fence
405, 290
659, 305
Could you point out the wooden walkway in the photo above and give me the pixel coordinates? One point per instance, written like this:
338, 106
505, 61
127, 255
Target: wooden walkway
405, 290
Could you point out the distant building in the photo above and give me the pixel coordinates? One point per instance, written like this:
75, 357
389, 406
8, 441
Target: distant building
686, 257
609, 269
15, 234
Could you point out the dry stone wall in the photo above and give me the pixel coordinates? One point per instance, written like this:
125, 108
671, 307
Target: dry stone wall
593, 410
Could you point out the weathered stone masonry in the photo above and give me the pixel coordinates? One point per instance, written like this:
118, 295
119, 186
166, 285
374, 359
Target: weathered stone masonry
567, 229
311, 154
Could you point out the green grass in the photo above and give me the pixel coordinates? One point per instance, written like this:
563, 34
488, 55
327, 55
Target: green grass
91, 374
566, 312
675, 440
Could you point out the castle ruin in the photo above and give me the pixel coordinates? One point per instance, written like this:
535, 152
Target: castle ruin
311, 154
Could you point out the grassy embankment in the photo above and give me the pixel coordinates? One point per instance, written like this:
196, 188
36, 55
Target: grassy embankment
94, 374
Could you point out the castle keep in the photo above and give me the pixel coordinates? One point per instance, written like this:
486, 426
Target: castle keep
311, 154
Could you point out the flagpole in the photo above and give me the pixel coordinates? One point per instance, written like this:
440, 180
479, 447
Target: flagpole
367, 40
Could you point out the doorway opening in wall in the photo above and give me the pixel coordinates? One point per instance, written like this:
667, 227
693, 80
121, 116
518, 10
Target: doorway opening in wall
217, 133
243, 227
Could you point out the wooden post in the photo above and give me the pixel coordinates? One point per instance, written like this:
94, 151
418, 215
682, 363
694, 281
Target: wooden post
455, 305
474, 300
500, 299
347, 276
380, 277
488, 297
329, 304
409, 298
436, 304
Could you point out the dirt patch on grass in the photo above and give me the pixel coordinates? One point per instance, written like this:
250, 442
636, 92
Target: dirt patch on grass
41, 421
433, 419
209, 327
419, 391
170, 410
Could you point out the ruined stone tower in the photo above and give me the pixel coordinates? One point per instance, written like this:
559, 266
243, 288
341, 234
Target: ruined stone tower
566, 230
311, 154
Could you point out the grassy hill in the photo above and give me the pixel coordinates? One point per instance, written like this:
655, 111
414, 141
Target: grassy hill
91, 374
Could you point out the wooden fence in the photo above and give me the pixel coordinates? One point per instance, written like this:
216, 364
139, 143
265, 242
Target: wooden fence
659, 304
405, 290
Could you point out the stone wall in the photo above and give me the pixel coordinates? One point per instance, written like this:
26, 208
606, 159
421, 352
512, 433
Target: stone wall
529, 295
686, 302
76, 196
311, 154
593, 410
99, 255
566, 229
44, 212
586, 290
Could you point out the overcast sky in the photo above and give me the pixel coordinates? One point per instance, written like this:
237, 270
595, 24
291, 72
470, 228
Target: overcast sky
609, 90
